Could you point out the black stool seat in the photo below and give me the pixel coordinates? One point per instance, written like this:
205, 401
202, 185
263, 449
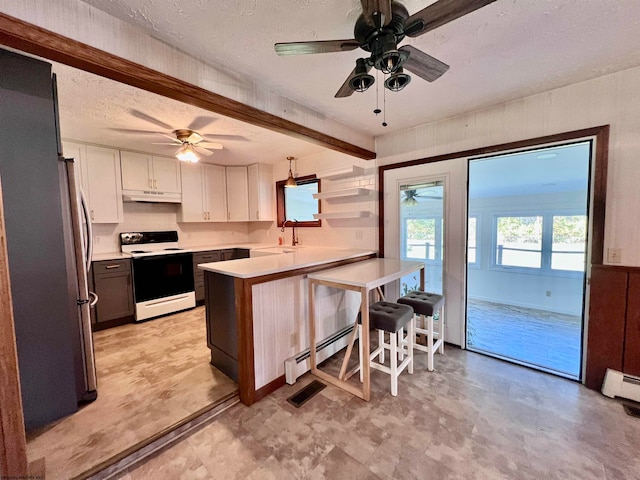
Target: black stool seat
388, 316
423, 303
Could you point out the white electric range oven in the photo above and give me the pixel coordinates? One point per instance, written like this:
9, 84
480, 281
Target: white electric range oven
162, 273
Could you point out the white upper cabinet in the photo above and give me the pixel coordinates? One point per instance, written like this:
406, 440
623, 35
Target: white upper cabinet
216, 189
261, 192
146, 172
166, 174
237, 194
204, 195
99, 177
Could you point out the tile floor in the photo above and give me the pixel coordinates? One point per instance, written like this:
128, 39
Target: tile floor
151, 376
475, 417
539, 338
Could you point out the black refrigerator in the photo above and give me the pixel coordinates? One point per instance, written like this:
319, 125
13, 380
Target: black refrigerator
48, 246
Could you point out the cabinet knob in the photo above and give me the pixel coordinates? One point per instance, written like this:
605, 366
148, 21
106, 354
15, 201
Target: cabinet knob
155, 184
150, 183
257, 213
228, 215
92, 217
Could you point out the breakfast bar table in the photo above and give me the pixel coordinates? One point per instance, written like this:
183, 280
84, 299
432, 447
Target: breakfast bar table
362, 277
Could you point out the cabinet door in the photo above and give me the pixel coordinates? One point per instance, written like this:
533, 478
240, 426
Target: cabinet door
261, 188
103, 184
237, 194
135, 171
193, 207
78, 152
166, 175
215, 187
115, 296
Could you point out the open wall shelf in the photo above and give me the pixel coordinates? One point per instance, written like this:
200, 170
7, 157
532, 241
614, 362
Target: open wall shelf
336, 215
349, 192
339, 173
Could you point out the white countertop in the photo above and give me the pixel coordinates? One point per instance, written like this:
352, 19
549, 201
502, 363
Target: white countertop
369, 274
97, 257
298, 257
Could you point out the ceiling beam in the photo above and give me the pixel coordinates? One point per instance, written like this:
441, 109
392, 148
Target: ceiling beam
29, 38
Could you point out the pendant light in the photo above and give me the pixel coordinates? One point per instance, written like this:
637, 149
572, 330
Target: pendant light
291, 181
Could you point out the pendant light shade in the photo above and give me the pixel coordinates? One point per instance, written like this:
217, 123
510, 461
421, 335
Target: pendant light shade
291, 181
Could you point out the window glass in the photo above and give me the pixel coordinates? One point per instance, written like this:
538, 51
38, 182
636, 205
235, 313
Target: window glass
519, 241
296, 204
299, 204
569, 240
421, 238
472, 247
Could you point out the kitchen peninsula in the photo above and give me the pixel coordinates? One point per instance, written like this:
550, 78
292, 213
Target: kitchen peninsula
257, 312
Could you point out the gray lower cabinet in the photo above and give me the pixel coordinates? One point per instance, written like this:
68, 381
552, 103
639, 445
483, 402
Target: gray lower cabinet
112, 282
208, 257
198, 275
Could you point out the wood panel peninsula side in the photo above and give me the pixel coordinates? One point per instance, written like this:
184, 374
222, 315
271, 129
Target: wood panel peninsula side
257, 312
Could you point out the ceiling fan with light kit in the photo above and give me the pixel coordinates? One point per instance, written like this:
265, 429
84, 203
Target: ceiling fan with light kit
382, 25
191, 143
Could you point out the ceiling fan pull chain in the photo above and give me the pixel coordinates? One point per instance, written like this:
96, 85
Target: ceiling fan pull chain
384, 107
377, 110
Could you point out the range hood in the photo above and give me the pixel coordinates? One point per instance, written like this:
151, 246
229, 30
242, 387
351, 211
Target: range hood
151, 196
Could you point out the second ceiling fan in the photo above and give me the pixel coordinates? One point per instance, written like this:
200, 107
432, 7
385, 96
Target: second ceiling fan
382, 25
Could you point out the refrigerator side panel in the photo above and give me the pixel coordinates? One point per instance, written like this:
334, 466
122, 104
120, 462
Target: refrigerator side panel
35, 240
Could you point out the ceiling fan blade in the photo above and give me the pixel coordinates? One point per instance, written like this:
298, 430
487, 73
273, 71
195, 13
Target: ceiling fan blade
322, 46
214, 145
219, 136
166, 143
149, 118
201, 122
203, 151
377, 12
137, 132
423, 65
439, 13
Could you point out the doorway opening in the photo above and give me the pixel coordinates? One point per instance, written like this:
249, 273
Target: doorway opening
527, 245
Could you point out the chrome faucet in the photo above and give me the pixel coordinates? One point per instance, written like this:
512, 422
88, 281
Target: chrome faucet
294, 239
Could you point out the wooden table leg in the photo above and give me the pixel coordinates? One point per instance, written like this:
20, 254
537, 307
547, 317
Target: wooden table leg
312, 328
366, 348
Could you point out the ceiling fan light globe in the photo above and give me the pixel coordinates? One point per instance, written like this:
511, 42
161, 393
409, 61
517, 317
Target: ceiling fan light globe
361, 82
397, 81
187, 154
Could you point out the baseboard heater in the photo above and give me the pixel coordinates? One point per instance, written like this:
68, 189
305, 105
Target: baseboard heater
299, 364
618, 384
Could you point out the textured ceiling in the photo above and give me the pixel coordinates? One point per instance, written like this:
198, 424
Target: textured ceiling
506, 50
97, 110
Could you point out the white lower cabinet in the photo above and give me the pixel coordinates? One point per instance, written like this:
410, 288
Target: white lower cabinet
204, 195
99, 172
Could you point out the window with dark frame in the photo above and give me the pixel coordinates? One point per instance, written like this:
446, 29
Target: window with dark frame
300, 201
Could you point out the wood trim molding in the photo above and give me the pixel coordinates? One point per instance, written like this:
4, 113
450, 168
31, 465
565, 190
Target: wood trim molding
599, 178
29, 38
244, 317
13, 450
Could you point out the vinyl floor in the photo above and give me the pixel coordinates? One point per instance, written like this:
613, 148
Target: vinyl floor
151, 376
473, 418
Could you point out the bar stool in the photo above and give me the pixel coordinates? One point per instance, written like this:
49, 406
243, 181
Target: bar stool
391, 318
425, 305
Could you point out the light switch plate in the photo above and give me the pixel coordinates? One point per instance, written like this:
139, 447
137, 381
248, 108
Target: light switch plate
614, 255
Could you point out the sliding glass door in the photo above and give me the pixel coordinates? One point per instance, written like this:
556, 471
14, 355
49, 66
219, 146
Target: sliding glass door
527, 226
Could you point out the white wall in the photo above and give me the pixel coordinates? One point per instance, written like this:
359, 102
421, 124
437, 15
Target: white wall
346, 233
612, 99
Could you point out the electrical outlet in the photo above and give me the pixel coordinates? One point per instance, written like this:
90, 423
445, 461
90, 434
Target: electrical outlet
358, 234
293, 339
548, 293
96, 240
614, 255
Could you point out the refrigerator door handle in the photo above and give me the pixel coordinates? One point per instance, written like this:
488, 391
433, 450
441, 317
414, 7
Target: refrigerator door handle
89, 236
94, 299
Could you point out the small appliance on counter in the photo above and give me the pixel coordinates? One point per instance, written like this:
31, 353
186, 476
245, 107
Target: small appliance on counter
162, 273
